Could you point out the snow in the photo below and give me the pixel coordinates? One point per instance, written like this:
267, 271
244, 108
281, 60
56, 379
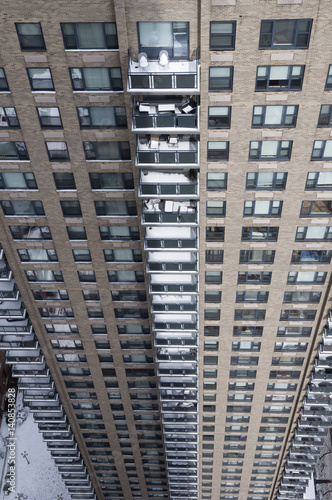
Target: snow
177, 232
164, 177
170, 257
37, 478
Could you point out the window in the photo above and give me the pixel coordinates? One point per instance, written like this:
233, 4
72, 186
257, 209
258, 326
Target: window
64, 181
285, 34
274, 116
260, 233
219, 117
89, 36
212, 314
328, 84
123, 255
22, 208
304, 277
46, 275
214, 256
311, 256
222, 35
30, 232
213, 277
266, 180
216, 233
57, 151
212, 296
249, 314
294, 331
257, 256
279, 78
96, 79
291, 347
252, 296
91, 295
325, 117
107, 151
171, 36
82, 255
217, 150
211, 331
319, 180
86, 276
37, 255
51, 295
40, 79
115, 208
244, 360
125, 233
110, 180
309, 297
241, 386
61, 329
125, 276
254, 278
49, 117
270, 150
216, 181
71, 208
17, 180
30, 36
248, 331
298, 315
13, 151
322, 150
99, 329
281, 386
129, 295
96, 312
238, 409
76, 233
3, 81
102, 117
221, 79
262, 208
286, 360
8, 117
215, 208
314, 233
131, 313
60, 312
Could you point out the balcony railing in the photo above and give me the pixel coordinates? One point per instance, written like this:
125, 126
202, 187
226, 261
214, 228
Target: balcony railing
178, 76
168, 184
163, 151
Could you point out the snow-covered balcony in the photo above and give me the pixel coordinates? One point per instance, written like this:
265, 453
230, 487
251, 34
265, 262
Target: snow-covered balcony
313, 410
177, 368
169, 76
37, 395
326, 345
169, 184
62, 445
167, 151
176, 354
308, 440
171, 238
5, 272
193, 429
58, 428
47, 417
164, 116
173, 283
18, 341
324, 361
307, 431
178, 455
182, 464
9, 290
56, 437
318, 399
323, 387
52, 406
172, 262
179, 339
173, 303
40, 383
299, 460
169, 212
17, 329
30, 370
66, 465
177, 383
320, 374
175, 318
17, 356
179, 395
12, 309
291, 473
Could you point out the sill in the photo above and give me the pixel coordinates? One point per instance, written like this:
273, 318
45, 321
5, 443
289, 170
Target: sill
108, 161
18, 190
14, 161
112, 189
92, 50
5, 92
43, 92
96, 92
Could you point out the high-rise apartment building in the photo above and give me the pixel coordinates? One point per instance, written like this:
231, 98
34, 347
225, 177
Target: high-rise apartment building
165, 191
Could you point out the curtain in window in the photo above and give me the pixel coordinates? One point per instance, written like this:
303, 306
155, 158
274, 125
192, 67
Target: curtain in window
112, 181
38, 254
324, 179
96, 78
264, 179
123, 255
315, 232
126, 276
118, 232
262, 207
116, 207
107, 150
273, 115
14, 180
269, 149
279, 72
284, 33
305, 276
90, 35
102, 116
156, 34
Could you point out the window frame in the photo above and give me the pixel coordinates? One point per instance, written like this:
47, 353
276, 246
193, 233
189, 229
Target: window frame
112, 87
268, 256
90, 149
255, 152
98, 178
53, 153
291, 46
215, 208
45, 89
221, 35
253, 228
284, 116
292, 278
75, 35
73, 212
276, 184
328, 231
6, 118
274, 211
30, 184
317, 153
328, 82
229, 79
218, 230
324, 256
37, 206
44, 230
21, 152
223, 121
264, 277
101, 208
46, 126
4, 87
40, 48
282, 87
221, 183
119, 122
153, 51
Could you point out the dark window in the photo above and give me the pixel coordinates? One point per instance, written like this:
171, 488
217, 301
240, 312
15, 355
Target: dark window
102, 117
125, 233
215, 233
8, 118
285, 34
248, 331
215, 208
89, 36
82, 255
49, 117
172, 37
298, 314
213, 277
252, 296
91, 295
30, 232
13, 151
123, 255
311, 256
111, 181
222, 35
274, 116
260, 233
216, 181
328, 84
262, 208
212, 314
279, 78
64, 180
125, 276
211, 331
257, 256
3, 81
221, 79
30, 36
217, 150
115, 208
219, 116
23, 208
212, 296
128, 295
86, 276
266, 180
57, 151
17, 180
249, 314
96, 79
214, 256
76, 233
71, 208
107, 150
270, 150
305, 297
322, 150
251, 277
40, 79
